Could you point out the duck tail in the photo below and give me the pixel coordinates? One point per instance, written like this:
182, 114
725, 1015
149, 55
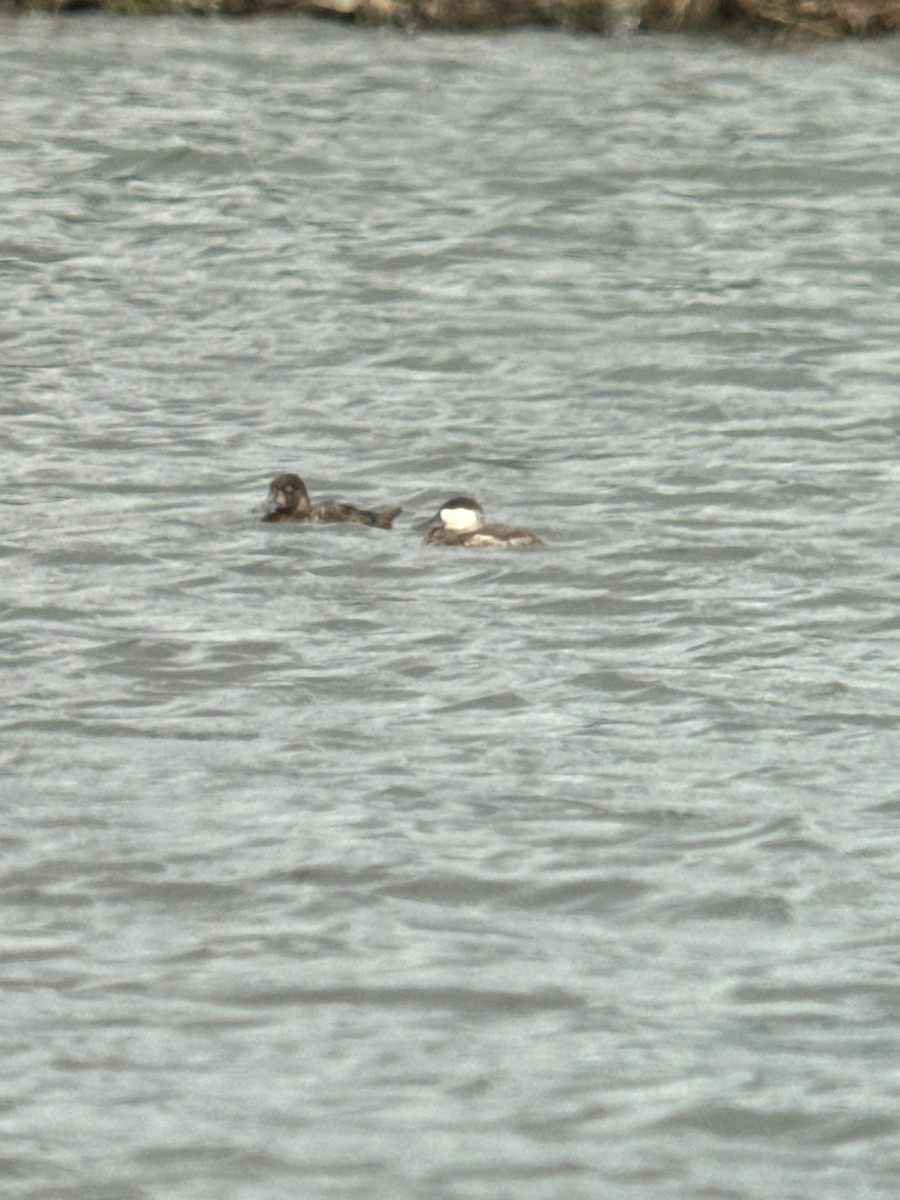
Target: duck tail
386, 518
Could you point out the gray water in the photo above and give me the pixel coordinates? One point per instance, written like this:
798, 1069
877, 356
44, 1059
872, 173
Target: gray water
339, 866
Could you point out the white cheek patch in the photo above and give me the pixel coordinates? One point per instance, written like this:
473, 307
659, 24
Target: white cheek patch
460, 520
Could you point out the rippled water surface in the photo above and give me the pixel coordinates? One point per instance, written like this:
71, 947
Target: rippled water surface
339, 866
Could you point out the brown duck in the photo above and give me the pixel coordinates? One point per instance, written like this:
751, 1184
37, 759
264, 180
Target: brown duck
291, 502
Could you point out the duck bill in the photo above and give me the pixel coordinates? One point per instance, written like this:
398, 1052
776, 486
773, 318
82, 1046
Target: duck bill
434, 522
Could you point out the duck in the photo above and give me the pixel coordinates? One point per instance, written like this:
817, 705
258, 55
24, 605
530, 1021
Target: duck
462, 524
291, 502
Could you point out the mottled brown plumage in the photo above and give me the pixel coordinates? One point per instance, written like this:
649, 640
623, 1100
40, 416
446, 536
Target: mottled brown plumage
292, 503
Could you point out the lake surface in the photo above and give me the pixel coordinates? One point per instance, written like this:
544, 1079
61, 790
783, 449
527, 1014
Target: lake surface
339, 866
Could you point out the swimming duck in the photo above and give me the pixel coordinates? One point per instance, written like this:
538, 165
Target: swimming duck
462, 524
291, 503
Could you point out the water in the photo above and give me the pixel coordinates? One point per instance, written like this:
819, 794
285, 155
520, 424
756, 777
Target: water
335, 866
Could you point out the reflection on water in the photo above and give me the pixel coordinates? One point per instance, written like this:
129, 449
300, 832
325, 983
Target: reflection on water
340, 865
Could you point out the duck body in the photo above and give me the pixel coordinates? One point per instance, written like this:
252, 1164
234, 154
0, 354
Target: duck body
292, 503
462, 524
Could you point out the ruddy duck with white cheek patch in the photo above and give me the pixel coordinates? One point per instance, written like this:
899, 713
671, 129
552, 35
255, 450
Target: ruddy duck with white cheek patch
462, 524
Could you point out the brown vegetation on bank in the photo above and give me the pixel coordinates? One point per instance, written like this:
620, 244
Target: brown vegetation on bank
784, 18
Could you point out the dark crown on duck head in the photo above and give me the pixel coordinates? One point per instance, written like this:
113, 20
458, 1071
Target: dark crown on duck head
463, 502
287, 483
290, 487
462, 514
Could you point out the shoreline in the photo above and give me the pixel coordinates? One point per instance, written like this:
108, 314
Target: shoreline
772, 20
